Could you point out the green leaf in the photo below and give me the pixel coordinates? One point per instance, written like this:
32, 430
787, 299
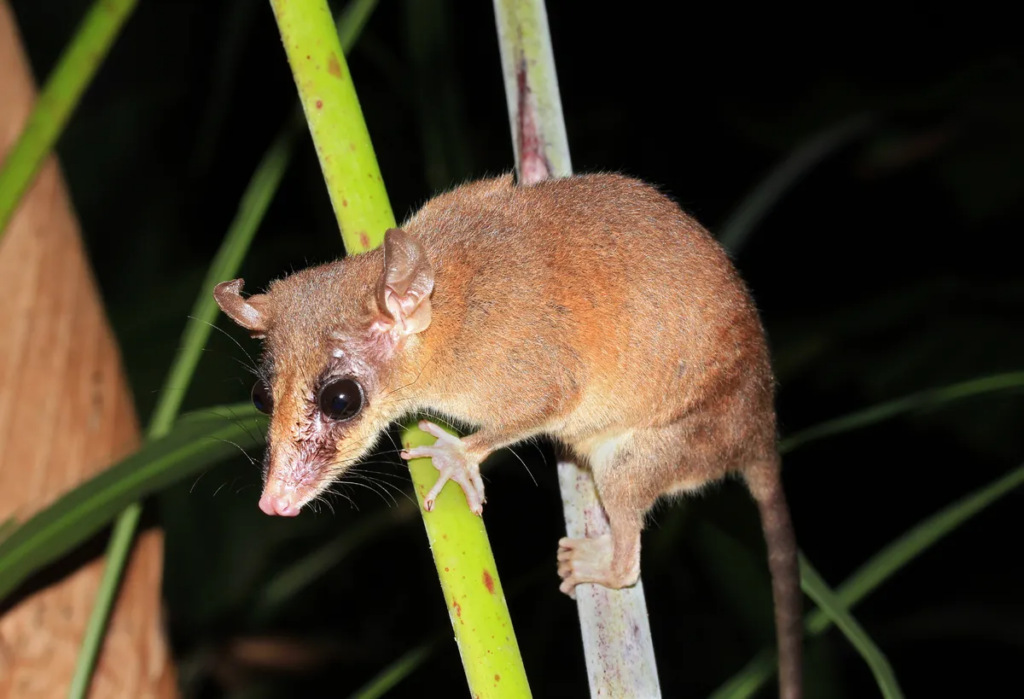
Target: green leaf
64, 87
915, 401
195, 442
831, 604
874, 572
760, 200
252, 207
8, 526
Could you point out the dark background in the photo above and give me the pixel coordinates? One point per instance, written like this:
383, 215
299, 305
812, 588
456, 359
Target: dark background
892, 267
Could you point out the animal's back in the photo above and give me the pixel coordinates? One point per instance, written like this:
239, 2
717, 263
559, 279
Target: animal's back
598, 283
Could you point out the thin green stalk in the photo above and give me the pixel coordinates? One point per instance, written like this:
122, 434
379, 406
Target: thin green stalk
873, 573
253, 206
75, 69
229, 257
406, 664
458, 540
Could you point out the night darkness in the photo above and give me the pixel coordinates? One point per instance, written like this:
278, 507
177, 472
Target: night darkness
888, 269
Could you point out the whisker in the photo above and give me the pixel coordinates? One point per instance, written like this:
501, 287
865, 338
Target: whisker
245, 366
238, 421
338, 493
528, 471
228, 335
418, 375
383, 496
252, 461
198, 478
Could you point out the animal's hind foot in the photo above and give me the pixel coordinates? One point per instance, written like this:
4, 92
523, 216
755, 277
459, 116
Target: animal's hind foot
593, 561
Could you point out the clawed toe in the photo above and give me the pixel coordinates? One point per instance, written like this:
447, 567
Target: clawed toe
449, 457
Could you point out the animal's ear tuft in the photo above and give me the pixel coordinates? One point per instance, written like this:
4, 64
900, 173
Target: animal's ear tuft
250, 313
403, 292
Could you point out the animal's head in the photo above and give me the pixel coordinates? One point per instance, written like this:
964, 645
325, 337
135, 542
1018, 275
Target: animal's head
333, 341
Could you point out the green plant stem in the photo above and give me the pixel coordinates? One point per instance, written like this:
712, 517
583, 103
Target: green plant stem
252, 208
458, 540
336, 123
614, 626
64, 87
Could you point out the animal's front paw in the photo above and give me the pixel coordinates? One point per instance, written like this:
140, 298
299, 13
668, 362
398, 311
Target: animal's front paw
449, 456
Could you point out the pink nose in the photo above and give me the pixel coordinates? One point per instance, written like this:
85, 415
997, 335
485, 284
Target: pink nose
278, 505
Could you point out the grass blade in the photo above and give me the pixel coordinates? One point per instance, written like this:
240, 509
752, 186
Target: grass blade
396, 671
756, 205
893, 557
196, 441
8, 526
915, 401
252, 207
303, 572
829, 603
73, 73
874, 572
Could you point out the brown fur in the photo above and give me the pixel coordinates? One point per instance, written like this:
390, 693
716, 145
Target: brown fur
590, 309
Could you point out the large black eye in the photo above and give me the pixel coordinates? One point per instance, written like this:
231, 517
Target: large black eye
262, 398
341, 399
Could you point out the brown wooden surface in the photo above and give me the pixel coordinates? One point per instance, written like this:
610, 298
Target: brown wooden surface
65, 413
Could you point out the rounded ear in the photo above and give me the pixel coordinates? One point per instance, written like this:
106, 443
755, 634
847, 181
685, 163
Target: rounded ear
403, 292
250, 313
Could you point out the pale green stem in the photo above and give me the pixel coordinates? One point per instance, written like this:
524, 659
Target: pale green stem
614, 625
75, 69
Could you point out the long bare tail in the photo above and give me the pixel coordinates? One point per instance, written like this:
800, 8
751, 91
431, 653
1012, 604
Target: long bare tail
765, 483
